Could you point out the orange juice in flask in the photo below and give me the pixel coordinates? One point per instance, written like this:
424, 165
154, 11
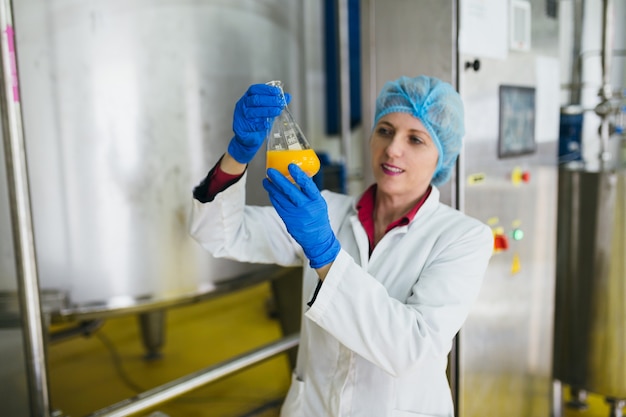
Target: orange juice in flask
286, 145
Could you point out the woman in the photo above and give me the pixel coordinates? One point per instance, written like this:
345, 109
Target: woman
389, 276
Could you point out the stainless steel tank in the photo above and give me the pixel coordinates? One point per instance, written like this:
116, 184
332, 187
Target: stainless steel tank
126, 106
590, 309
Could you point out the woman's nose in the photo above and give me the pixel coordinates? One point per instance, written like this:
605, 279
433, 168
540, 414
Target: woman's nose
394, 148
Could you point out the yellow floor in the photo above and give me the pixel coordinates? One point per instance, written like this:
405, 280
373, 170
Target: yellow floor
597, 407
87, 374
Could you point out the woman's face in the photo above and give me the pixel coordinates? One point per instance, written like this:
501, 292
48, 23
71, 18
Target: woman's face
404, 156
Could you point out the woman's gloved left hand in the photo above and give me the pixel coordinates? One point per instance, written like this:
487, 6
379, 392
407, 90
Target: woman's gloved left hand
305, 214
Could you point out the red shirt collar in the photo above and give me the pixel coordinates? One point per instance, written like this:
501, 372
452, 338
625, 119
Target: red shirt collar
365, 213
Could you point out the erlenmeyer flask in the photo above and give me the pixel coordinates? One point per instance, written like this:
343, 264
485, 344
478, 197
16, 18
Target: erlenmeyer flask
286, 144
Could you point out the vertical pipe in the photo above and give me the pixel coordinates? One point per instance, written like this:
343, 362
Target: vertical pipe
576, 82
457, 189
302, 39
368, 79
457, 200
344, 79
21, 218
603, 109
607, 47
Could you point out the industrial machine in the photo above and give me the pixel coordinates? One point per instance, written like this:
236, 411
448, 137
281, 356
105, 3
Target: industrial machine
113, 113
590, 316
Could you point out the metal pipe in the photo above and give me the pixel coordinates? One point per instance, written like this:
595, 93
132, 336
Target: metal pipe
604, 108
343, 48
457, 188
368, 79
21, 218
576, 82
457, 200
196, 380
607, 47
152, 327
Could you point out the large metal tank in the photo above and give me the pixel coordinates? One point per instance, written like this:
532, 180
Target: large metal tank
126, 106
590, 312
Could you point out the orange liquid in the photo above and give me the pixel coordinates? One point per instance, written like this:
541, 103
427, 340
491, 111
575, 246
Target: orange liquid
306, 159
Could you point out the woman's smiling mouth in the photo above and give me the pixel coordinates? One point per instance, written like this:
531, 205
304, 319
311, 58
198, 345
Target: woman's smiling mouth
391, 169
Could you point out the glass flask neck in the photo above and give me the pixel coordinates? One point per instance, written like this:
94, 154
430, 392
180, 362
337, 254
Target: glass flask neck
285, 134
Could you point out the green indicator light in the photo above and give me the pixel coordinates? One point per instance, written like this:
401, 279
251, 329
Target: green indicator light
518, 234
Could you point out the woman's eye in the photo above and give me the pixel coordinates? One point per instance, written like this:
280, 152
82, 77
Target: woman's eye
383, 131
416, 139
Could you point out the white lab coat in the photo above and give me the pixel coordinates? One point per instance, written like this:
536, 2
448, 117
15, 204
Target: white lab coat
376, 339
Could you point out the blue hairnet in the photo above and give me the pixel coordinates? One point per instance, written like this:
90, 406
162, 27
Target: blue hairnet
439, 108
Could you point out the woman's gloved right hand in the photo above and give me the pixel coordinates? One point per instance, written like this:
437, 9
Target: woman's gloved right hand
253, 117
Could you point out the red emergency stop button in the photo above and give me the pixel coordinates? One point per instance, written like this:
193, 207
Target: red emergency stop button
500, 243
526, 176
500, 240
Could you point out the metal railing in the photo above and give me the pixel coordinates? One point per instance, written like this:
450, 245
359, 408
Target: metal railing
195, 380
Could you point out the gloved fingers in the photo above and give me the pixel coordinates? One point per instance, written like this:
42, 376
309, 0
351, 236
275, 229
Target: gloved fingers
260, 101
260, 95
251, 137
306, 184
261, 112
277, 198
268, 90
260, 106
286, 187
264, 100
256, 125
263, 89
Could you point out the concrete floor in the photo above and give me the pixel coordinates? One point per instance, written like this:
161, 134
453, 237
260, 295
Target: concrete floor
90, 373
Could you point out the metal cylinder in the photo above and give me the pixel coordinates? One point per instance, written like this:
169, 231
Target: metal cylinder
127, 105
590, 312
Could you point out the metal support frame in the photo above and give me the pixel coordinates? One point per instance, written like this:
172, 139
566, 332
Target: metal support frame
617, 406
21, 218
604, 108
343, 51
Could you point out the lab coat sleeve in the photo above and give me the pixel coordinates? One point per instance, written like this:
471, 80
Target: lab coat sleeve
227, 228
397, 336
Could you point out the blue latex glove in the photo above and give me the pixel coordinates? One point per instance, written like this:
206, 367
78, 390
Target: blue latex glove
305, 214
253, 117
